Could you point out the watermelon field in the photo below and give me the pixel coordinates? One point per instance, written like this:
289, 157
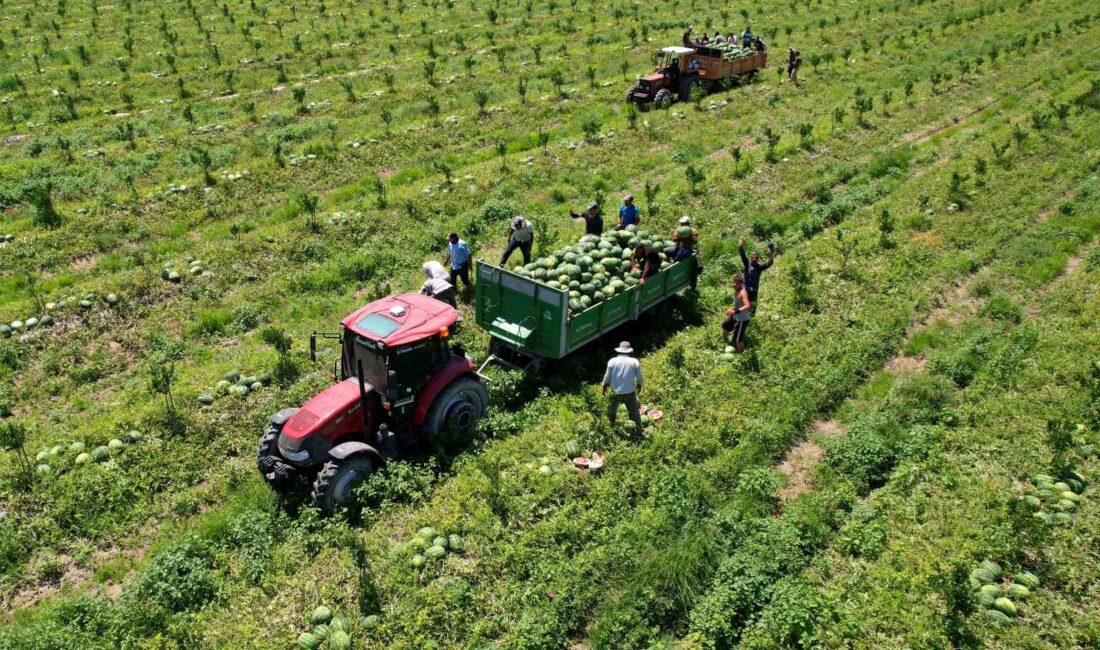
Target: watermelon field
905, 455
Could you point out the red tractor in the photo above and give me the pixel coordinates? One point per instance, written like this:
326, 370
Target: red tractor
401, 384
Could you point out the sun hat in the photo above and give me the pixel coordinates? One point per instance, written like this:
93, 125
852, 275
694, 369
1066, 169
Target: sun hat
624, 348
593, 204
685, 220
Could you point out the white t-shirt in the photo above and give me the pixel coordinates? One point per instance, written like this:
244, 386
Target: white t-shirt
523, 231
435, 286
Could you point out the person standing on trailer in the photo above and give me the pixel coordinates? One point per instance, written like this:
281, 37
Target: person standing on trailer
521, 234
593, 220
624, 377
628, 213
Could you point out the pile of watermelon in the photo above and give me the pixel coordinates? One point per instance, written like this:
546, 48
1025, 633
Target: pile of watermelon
57, 458
995, 594
329, 632
234, 383
1055, 501
595, 269
429, 545
46, 320
169, 273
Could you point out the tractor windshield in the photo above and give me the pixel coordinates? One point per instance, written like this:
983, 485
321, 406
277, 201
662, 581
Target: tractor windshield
367, 352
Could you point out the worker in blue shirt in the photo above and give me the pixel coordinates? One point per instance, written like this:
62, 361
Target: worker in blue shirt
628, 213
458, 260
747, 37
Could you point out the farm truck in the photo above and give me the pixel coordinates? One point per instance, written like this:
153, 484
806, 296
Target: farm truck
401, 383
682, 71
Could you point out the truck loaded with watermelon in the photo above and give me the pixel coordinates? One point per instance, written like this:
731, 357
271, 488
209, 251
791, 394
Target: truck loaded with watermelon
401, 383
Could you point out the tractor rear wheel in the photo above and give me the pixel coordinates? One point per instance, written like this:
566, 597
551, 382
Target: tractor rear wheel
663, 98
456, 410
630, 93
336, 482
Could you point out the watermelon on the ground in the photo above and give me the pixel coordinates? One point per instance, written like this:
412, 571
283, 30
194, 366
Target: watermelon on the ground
320, 614
435, 552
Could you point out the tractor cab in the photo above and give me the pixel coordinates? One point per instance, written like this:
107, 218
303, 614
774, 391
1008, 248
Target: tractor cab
398, 381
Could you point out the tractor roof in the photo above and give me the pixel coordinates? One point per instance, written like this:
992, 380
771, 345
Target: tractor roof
402, 318
676, 49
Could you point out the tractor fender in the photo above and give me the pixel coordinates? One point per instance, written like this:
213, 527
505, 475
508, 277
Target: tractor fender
345, 449
452, 370
280, 418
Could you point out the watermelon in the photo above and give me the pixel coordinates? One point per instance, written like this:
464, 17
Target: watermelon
993, 590
417, 561
1027, 579
308, 641
993, 568
196, 270
232, 376
1065, 505
164, 273
17, 325
42, 456
338, 623
265, 378
321, 631
133, 435
43, 469
726, 357
440, 541
572, 449
115, 445
1070, 496
173, 277
46, 321
427, 532
1019, 592
5, 330
983, 576
1040, 478
31, 322
985, 599
320, 615
371, 621
998, 617
435, 552
82, 458
206, 399
646, 420
1062, 519
339, 640
1044, 517
255, 386
545, 470
100, 454
111, 299
455, 542
1033, 501
1005, 605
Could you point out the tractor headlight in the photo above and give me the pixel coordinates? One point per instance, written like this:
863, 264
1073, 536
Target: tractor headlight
296, 456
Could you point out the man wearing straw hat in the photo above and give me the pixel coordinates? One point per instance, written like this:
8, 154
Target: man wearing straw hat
624, 376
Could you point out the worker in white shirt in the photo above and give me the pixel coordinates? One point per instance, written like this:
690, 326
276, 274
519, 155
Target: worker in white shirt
521, 234
436, 283
624, 376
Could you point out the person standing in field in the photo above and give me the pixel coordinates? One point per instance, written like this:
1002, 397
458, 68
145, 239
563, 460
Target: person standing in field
624, 377
521, 234
738, 316
436, 284
593, 220
628, 213
795, 66
790, 62
753, 268
458, 258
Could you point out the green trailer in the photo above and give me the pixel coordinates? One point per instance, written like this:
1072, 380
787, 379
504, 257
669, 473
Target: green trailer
530, 321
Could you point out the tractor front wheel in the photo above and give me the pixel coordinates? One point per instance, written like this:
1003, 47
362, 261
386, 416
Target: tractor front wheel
630, 93
336, 482
267, 460
662, 99
456, 410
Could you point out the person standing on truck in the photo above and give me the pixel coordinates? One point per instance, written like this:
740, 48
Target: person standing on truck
521, 234
747, 37
628, 213
685, 239
458, 257
761, 46
624, 376
647, 260
753, 268
436, 284
737, 317
718, 38
687, 38
593, 220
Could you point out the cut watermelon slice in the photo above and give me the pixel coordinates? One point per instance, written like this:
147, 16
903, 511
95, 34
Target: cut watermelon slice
581, 461
656, 415
596, 462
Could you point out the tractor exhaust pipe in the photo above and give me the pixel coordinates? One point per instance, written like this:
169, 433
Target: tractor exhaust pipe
362, 394
313, 347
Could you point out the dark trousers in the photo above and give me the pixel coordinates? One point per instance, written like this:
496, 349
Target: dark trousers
464, 273
523, 246
447, 296
632, 408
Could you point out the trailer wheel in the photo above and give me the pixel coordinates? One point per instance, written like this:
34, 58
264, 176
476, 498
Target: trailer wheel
456, 411
663, 98
336, 482
630, 93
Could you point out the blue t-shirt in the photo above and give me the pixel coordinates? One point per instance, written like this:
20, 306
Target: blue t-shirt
460, 254
628, 214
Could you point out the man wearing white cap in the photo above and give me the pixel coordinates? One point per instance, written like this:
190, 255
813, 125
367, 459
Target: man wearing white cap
521, 234
685, 240
593, 220
624, 376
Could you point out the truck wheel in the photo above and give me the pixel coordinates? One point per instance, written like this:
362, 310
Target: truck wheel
630, 93
266, 456
663, 98
336, 482
456, 410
